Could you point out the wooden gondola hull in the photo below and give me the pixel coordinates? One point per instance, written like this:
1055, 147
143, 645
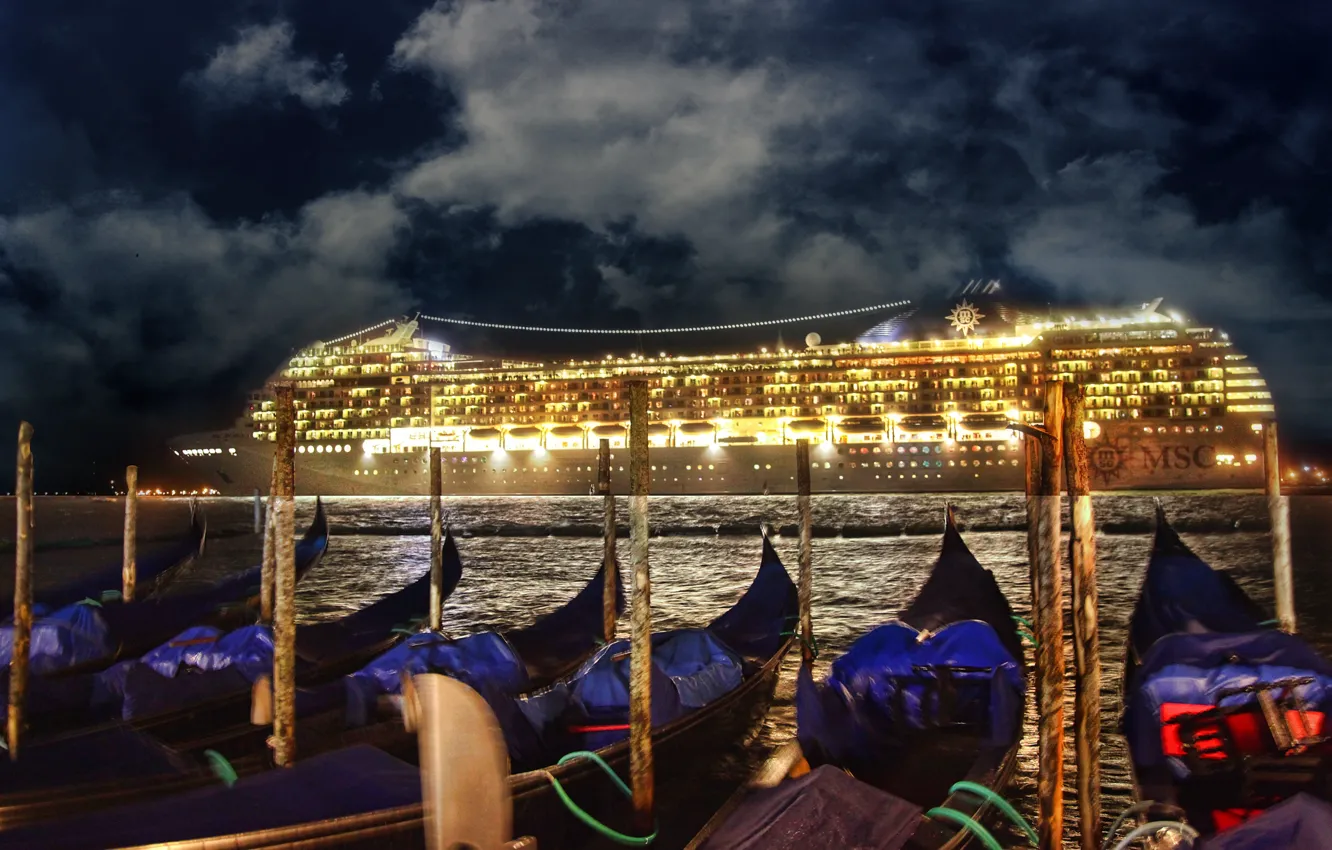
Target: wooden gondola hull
911, 708
761, 618
1221, 713
223, 726
683, 752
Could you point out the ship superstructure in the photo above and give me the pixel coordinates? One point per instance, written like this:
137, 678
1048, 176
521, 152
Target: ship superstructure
927, 396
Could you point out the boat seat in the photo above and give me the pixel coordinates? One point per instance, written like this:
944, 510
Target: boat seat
1243, 759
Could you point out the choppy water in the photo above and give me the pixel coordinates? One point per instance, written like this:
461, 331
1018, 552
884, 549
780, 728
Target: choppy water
525, 556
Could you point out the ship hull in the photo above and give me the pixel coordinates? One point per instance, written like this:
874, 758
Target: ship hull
1130, 457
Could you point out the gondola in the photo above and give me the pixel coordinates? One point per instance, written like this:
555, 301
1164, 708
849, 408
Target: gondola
154, 570
177, 752
362, 796
1224, 715
202, 677
919, 718
71, 645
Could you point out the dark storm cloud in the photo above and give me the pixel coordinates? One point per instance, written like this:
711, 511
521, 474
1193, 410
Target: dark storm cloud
189, 191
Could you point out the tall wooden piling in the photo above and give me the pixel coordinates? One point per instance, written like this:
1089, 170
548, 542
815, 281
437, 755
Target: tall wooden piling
1278, 509
436, 540
129, 574
640, 663
258, 512
1086, 636
1031, 447
268, 568
804, 583
608, 613
1048, 609
18, 661
284, 585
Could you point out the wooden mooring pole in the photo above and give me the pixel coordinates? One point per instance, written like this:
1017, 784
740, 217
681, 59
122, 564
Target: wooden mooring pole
18, 660
268, 570
608, 613
1048, 608
284, 585
804, 583
1031, 447
1086, 636
640, 661
129, 573
436, 540
1278, 509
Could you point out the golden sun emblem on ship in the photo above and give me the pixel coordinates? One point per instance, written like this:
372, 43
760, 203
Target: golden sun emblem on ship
965, 317
1108, 459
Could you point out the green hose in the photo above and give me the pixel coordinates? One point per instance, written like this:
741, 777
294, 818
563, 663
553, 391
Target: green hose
1031, 638
221, 768
999, 803
587, 819
1024, 621
967, 823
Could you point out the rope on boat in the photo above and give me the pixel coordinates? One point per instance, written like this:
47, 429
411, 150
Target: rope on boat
1135, 809
104, 596
1148, 828
587, 819
999, 803
1026, 630
968, 823
221, 768
409, 628
813, 642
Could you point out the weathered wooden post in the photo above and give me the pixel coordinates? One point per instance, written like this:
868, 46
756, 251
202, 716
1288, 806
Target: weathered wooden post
258, 512
1048, 609
640, 647
18, 660
1086, 636
608, 613
436, 541
284, 585
1278, 509
129, 566
804, 583
268, 571
1031, 447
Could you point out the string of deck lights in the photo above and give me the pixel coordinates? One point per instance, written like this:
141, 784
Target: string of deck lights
692, 329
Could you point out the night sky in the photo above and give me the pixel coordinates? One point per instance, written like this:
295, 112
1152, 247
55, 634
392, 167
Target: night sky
189, 191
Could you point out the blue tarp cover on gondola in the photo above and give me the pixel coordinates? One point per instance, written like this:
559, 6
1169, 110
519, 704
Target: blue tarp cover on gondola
344, 782
590, 709
1194, 669
1303, 822
895, 680
72, 635
168, 677
823, 808
248, 649
952, 658
483, 659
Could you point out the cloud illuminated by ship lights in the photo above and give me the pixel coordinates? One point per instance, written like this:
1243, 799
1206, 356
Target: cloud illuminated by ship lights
657, 162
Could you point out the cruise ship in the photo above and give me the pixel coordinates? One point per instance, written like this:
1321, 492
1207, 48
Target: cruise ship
918, 403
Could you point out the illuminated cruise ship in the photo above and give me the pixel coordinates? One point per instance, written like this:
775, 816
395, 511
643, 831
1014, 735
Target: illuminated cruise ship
919, 402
